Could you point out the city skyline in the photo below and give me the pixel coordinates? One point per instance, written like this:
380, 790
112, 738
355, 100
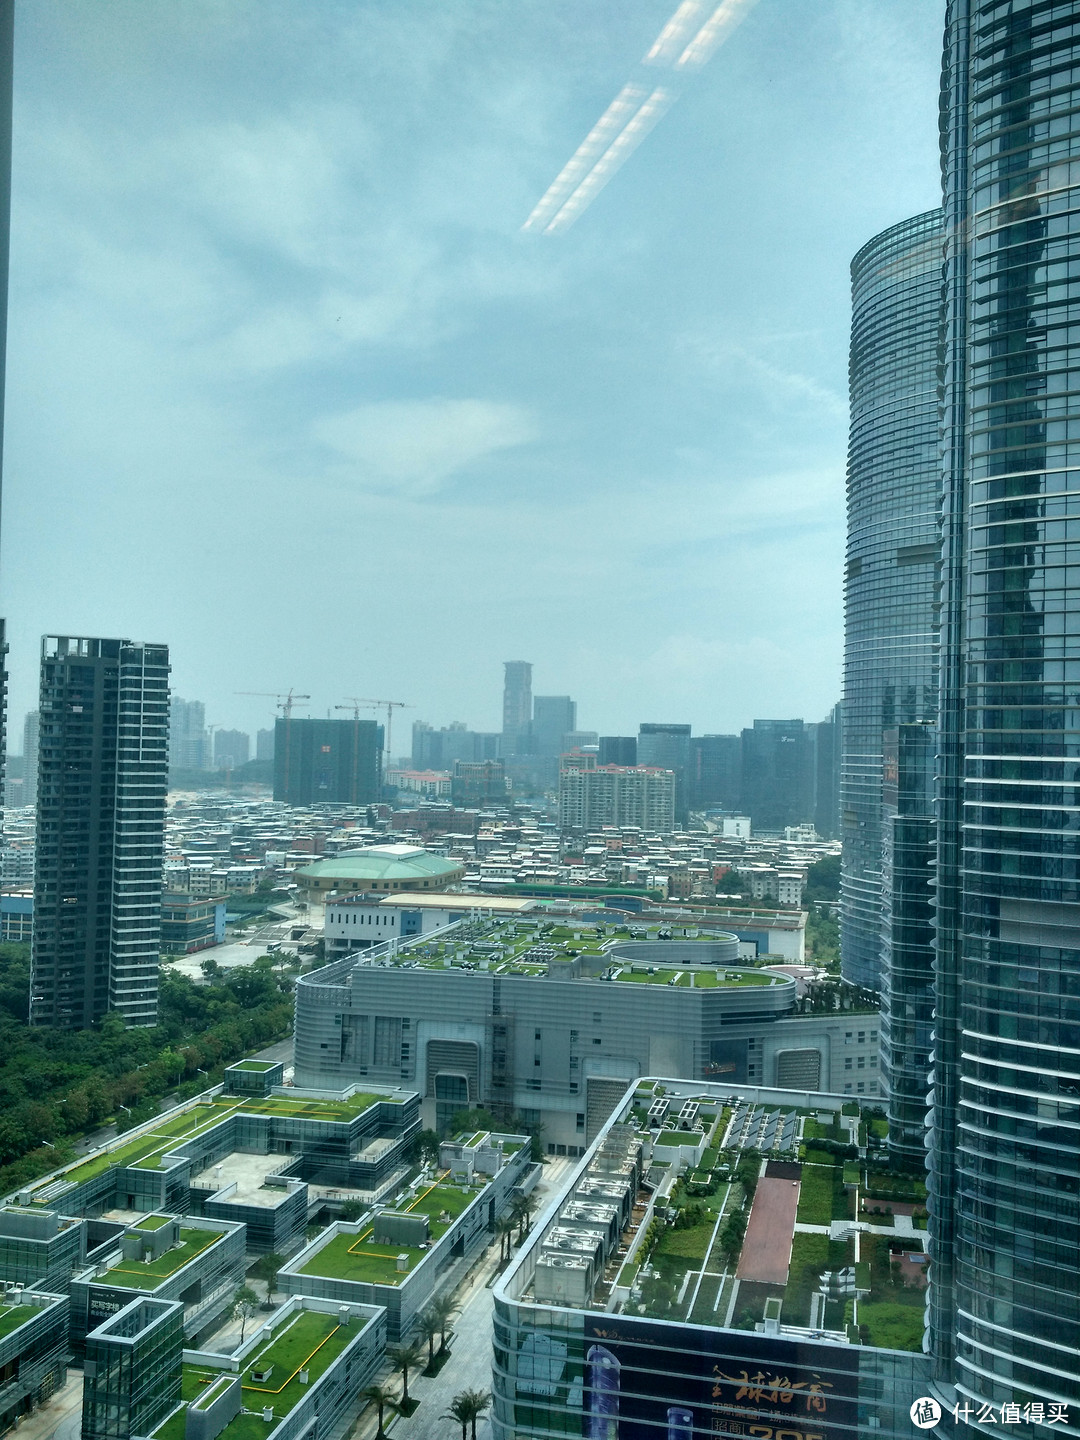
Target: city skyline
256, 261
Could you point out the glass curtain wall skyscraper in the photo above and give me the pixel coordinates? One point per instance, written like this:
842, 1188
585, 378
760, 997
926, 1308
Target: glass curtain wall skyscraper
1005, 1159
892, 488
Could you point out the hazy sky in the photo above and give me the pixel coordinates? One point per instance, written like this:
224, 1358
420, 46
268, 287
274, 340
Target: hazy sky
289, 388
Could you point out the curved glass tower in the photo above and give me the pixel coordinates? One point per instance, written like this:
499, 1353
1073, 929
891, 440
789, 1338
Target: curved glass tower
893, 481
1005, 1185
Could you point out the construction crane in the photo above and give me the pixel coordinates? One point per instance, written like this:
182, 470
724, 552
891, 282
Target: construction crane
390, 706
286, 701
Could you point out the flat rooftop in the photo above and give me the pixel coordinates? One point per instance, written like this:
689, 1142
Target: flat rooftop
309, 1340
751, 1214
149, 1146
149, 1274
12, 1316
348, 1256
248, 1173
529, 944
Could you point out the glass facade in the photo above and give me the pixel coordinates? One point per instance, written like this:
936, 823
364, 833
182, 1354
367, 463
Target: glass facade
132, 1370
1005, 1194
907, 978
893, 483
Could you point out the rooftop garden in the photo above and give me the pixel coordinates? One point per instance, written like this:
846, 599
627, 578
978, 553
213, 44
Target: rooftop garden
706, 978
147, 1149
153, 1222
148, 1274
308, 1341
12, 1316
260, 1066
349, 1256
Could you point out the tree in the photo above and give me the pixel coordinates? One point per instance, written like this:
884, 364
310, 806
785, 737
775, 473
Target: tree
266, 1268
504, 1229
427, 1146
522, 1209
245, 1305
381, 1397
429, 1329
442, 1309
466, 1408
406, 1357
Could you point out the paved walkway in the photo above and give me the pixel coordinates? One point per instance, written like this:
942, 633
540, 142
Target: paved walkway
469, 1366
61, 1418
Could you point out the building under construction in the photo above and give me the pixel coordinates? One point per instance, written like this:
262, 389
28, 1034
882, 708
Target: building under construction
335, 762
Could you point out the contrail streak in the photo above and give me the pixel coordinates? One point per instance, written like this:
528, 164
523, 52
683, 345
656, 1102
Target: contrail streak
634, 111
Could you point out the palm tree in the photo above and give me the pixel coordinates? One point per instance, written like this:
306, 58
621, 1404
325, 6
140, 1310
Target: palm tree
406, 1357
442, 1308
504, 1229
382, 1398
522, 1209
429, 1328
466, 1408
459, 1411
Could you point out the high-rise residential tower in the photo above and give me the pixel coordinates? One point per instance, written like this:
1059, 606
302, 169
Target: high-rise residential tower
893, 482
188, 749
517, 707
1005, 1152
102, 777
31, 727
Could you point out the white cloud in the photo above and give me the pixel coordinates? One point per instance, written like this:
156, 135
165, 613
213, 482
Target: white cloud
414, 445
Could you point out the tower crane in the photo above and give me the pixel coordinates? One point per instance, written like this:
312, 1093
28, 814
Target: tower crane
390, 707
285, 700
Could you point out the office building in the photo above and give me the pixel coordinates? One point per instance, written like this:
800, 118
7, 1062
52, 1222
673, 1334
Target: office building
667, 747
39, 1248
826, 740
188, 748
31, 728
715, 772
260, 1390
264, 745
231, 749
33, 1351
438, 749
523, 1016
654, 1298
327, 762
591, 796
1005, 1143
190, 923
102, 778
777, 784
907, 953
890, 674
132, 1370
554, 717
517, 708
617, 750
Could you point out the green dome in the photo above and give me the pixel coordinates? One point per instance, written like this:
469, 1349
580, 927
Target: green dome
381, 867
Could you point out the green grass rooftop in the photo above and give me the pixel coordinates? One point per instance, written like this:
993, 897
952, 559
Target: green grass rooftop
308, 1341
149, 1274
349, 1256
147, 1149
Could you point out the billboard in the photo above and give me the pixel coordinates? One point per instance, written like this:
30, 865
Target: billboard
612, 1377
